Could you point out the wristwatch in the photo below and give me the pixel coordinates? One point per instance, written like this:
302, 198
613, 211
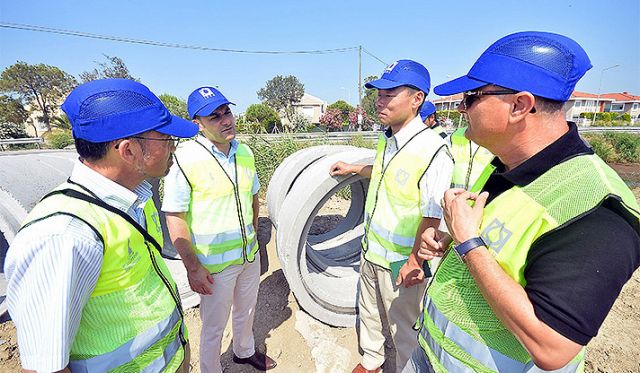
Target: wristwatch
463, 248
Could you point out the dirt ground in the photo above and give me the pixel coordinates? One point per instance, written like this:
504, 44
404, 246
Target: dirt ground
299, 343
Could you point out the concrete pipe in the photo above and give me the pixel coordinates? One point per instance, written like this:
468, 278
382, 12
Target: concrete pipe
322, 271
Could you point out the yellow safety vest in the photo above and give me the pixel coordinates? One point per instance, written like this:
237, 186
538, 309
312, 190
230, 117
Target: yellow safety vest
459, 330
392, 209
470, 160
220, 213
133, 320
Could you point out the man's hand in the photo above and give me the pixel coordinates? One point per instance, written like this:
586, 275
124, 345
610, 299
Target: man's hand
411, 272
433, 243
200, 279
341, 169
463, 221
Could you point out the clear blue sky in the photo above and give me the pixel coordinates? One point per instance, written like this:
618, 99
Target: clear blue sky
445, 36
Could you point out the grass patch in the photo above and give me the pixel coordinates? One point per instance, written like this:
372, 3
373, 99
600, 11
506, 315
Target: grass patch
616, 147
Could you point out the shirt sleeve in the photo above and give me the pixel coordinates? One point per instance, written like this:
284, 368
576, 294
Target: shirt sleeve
434, 183
575, 274
52, 268
177, 191
256, 185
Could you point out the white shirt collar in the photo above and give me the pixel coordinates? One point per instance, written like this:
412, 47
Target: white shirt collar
407, 132
214, 149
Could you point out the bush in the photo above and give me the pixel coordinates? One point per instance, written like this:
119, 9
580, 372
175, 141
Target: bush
262, 116
614, 147
59, 139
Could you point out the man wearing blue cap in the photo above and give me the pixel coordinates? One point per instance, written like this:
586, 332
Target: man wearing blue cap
411, 171
87, 287
428, 116
540, 253
211, 203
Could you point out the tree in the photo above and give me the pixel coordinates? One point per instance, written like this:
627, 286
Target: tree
42, 86
344, 108
12, 118
176, 106
114, 67
281, 93
369, 99
263, 114
367, 121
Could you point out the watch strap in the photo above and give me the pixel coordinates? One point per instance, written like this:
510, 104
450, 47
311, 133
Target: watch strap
463, 248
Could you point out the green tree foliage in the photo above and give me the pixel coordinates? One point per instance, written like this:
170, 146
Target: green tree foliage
59, 139
342, 106
61, 122
176, 106
42, 86
281, 93
369, 100
12, 111
264, 115
114, 67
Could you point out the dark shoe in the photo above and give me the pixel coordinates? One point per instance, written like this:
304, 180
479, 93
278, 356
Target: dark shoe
360, 369
259, 361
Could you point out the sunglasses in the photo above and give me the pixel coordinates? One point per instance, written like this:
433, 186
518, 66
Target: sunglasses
470, 97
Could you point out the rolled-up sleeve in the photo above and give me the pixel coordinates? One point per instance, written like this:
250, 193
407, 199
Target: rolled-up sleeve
177, 192
434, 183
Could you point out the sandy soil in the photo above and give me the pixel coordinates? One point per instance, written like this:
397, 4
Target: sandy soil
301, 344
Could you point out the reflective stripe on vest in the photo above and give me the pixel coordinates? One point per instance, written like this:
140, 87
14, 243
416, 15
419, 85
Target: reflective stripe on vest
393, 201
456, 309
134, 348
226, 257
220, 238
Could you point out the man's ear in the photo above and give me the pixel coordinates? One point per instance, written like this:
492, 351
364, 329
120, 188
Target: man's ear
418, 99
199, 123
128, 150
522, 105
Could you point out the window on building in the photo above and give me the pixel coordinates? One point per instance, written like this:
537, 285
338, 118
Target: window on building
635, 106
578, 103
307, 111
617, 107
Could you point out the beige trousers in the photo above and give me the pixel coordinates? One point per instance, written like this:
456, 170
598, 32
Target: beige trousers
236, 289
402, 307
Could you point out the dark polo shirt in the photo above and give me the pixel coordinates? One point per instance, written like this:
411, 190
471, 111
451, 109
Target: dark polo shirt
574, 274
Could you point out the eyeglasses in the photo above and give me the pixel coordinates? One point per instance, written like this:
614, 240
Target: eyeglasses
470, 97
173, 140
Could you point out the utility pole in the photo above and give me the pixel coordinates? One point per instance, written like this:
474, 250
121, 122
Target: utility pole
359, 75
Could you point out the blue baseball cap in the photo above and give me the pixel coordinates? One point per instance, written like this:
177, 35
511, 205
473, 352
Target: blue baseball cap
428, 108
542, 63
110, 109
403, 72
204, 100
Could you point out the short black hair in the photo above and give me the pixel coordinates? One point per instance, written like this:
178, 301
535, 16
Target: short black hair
547, 105
92, 151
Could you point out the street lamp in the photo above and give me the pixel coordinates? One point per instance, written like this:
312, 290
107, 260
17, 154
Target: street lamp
593, 119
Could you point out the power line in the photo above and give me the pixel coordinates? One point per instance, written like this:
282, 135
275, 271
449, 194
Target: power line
19, 26
371, 54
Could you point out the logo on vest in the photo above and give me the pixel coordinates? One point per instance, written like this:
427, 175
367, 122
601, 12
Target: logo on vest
401, 177
206, 92
156, 221
496, 235
132, 258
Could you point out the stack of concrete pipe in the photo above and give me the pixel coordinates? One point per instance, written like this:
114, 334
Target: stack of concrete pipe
322, 270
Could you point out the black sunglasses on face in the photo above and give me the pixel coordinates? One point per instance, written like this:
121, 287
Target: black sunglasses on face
470, 97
